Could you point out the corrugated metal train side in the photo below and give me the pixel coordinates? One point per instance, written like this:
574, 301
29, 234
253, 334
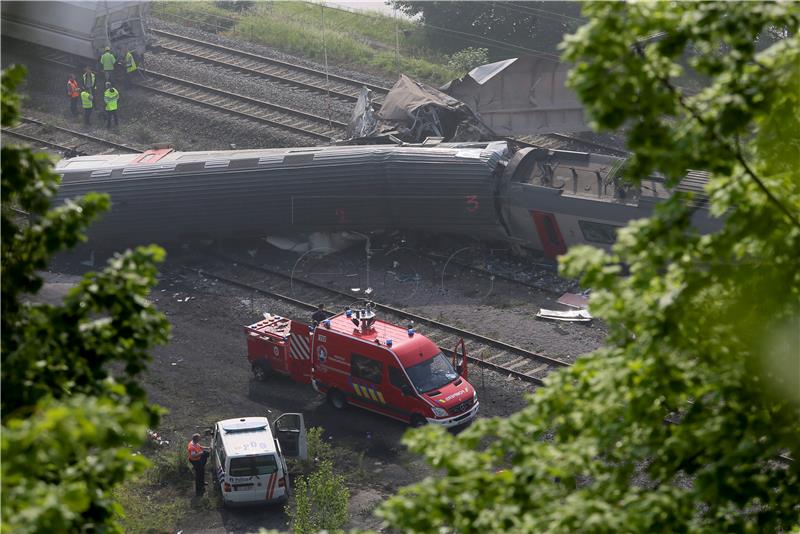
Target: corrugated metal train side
535, 198
242, 193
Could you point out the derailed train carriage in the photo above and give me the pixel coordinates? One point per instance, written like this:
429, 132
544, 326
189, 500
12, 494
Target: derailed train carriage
535, 198
80, 29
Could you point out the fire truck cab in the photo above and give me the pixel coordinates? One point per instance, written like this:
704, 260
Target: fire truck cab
356, 359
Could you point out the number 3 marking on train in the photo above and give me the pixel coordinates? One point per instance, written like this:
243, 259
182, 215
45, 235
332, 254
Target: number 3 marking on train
472, 203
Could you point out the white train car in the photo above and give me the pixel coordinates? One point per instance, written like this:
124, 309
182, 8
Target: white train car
81, 29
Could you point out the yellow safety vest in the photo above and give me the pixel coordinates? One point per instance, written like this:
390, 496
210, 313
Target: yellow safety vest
86, 99
108, 60
130, 63
111, 96
88, 80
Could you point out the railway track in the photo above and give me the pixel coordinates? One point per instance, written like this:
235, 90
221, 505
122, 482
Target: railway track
242, 106
65, 140
299, 76
482, 350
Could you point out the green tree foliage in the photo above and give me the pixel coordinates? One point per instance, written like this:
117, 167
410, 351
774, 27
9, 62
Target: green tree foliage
465, 60
71, 406
703, 329
320, 501
507, 29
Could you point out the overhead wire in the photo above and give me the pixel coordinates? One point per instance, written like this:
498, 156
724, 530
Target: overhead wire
526, 11
533, 10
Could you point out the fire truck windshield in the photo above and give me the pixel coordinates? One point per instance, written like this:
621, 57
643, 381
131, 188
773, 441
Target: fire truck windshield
432, 374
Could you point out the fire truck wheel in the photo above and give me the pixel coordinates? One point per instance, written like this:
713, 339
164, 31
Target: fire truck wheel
337, 399
417, 420
260, 372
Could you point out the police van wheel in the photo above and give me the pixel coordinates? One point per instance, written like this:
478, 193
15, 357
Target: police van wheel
260, 372
337, 399
418, 421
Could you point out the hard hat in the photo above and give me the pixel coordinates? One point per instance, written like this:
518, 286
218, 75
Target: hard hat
108, 49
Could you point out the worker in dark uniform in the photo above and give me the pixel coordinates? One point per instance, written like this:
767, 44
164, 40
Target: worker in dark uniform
319, 315
198, 456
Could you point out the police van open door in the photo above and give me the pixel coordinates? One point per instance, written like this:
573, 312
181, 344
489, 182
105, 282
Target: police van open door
290, 429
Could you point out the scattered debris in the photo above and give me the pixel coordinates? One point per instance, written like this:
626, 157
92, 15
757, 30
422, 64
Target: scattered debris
575, 300
320, 242
571, 315
413, 112
156, 438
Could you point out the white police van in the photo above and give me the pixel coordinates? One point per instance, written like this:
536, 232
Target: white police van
249, 460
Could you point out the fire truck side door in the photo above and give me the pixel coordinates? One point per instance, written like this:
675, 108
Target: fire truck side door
290, 429
460, 358
399, 393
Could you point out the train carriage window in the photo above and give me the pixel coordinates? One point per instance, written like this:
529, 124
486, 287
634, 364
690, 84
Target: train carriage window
598, 232
366, 368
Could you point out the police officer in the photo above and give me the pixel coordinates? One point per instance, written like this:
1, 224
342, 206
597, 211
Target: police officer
111, 100
130, 67
87, 101
74, 94
198, 456
108, 60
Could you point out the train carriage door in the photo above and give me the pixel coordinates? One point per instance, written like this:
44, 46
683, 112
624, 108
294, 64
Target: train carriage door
290, 429
549, 234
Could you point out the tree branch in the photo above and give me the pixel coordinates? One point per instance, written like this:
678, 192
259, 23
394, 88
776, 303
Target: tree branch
735, 149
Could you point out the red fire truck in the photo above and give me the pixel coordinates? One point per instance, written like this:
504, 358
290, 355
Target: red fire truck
356, 359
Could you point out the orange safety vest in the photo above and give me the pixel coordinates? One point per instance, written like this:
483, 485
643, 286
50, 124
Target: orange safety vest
72, 89
195, 451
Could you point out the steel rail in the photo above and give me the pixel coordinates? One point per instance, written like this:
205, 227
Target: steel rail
92, 138
278, 116
783, 458
507, 350
310, 306
277, 62
32, 139
257, 66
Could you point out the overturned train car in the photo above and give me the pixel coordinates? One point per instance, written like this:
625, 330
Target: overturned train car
535, 198
81, 29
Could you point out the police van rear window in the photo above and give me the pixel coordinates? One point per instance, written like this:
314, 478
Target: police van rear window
250, 466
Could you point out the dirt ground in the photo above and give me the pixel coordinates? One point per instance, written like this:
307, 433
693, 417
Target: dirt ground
202, 375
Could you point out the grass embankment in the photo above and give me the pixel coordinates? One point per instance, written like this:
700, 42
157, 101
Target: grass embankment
361, 41
161, 496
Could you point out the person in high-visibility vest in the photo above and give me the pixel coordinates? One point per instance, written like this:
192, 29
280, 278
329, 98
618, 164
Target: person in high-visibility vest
108, 60
198, 455
89, 79
130, 67
111, 99
87, 101
74, 94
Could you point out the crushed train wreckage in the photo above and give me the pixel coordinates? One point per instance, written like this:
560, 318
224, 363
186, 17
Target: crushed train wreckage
413, 112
